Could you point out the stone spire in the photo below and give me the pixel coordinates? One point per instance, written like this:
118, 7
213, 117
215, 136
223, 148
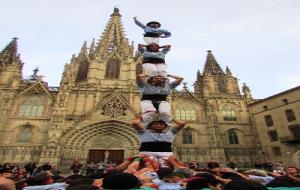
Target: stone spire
198, 75
83, 51
228, 72
211, 65
113, 38
92, 48
246, 91
9, 55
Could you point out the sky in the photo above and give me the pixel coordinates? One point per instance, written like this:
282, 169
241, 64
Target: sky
259, 40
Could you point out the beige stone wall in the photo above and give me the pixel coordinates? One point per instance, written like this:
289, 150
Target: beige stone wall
275, 106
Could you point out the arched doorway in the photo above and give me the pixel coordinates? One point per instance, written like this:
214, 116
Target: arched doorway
108, 141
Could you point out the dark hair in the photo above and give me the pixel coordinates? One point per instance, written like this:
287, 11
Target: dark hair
153, 22
183, 172
164, 172
157, 121
78, 179
82, 187
202, 182
121, 181
212, 165
283, 181
231, 175
197, 184
40, 179
244, 185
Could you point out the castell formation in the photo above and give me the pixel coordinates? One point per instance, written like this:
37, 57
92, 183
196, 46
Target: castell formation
156, 127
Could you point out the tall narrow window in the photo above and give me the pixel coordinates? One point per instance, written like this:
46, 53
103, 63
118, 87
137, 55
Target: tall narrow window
273, 135
269, 120
276, 151
295, 130
25, 134
229, 113
290, 115
187, 136
233, 137
112, 69
31, 108
221, 84
82, 71
186, 114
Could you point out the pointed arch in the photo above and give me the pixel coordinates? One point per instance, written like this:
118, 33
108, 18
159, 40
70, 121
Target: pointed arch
25, 134
233, 137
185, 112
187, 136
33, 107
83, 71
229, 114
221, 84
112, 69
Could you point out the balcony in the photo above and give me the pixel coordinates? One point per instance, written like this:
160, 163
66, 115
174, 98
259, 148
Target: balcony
290, 140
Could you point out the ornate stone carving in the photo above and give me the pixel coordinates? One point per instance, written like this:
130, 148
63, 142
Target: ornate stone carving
113, 107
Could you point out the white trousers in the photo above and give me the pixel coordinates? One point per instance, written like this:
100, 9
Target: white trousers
149, 112
160, 157
152, 70
151, 40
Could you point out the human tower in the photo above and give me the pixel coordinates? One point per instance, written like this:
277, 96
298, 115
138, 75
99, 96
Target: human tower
156, 127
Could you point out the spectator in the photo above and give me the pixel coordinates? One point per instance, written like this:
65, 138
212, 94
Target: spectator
7, 184
30, 167
121, 181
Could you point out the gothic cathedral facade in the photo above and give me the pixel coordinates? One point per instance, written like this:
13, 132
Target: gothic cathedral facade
88, 117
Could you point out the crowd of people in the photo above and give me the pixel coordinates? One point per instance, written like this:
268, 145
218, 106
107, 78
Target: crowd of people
140, 172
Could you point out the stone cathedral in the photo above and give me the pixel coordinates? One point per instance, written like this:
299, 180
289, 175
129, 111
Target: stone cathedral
88, 117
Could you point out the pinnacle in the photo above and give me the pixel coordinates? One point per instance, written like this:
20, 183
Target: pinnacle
211, 65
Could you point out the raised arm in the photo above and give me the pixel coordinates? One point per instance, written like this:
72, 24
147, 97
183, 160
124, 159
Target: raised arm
165, 33
137, 124
166, 48
178, 124
141, 48
177, 78
138, 23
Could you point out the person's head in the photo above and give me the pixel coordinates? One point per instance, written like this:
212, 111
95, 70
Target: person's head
78, 179
292, 171
205, 182
7, 184
157, 80
152, 47
183, 172
163, 172
212, 164
82, 187
153, 24
157, 126
121, 181
42, 179
6, 173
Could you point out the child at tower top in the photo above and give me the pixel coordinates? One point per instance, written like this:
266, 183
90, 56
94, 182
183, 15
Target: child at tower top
153, 59
152, 31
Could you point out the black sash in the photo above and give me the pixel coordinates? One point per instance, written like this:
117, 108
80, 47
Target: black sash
156, 147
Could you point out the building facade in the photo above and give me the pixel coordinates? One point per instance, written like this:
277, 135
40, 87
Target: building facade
89, 115
277, 119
